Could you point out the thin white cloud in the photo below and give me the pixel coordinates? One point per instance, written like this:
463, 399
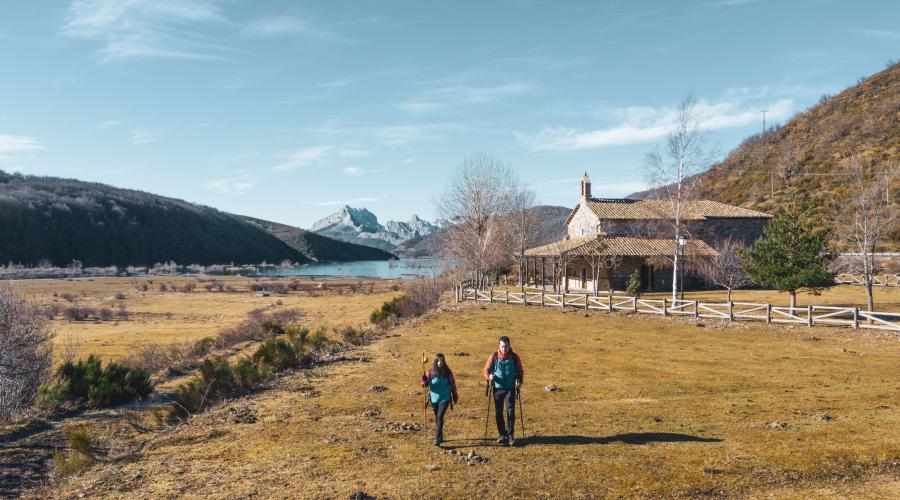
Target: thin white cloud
346, 202
877, 33
13, 144
230, 185
352, 171
454, 96
140, 137
353, 153
287, 25
109, 123
638, 124
129, 29
302, 157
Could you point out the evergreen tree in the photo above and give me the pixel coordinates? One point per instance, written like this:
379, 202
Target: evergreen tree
790, 257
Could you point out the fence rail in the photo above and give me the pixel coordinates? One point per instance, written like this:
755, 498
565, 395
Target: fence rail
809, 315
853, 279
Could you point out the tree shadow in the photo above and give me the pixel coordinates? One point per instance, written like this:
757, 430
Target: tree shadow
634, 438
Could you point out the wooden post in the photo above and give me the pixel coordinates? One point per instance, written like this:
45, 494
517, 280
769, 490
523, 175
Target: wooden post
696, 309
609, 302
542, 296
809, 315
665, 311
585, 302
768, 313
730, 311
542, 279
634, 304
507, 296
491, 293
456, 289
855, 318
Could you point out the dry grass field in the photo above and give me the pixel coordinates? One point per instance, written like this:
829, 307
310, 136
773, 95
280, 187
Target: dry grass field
167, 317
648, 407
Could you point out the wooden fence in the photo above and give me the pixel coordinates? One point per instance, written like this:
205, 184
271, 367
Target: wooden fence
851, 279
733, 311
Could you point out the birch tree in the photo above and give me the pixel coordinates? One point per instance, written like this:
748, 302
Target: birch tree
672, 174
867, 214
522, 223
726, 269
26, 353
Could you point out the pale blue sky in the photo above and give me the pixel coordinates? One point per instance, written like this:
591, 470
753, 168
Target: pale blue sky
287, 110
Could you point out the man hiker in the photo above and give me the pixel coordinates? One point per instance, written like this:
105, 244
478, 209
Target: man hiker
441, 389
504, 372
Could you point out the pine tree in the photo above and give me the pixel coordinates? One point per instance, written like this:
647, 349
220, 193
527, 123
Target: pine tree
790, 257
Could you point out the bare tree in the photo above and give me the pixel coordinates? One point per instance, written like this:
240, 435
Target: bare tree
673, 171
522, 222
725, 270
867, 214
475, 203
26, 353
596, 257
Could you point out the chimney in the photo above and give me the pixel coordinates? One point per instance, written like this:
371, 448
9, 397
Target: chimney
585, 187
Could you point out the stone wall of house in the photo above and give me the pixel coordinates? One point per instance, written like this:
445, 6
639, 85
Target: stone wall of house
584, 223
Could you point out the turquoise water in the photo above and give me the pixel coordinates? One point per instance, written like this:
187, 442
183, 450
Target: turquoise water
384, 269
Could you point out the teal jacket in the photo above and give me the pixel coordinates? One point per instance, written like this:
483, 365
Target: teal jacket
440, 389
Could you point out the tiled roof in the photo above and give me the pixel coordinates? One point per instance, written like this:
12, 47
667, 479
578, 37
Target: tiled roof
624, 246
627, 209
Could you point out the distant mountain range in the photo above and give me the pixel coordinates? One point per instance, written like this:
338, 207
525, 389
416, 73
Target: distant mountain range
426, 240
360, 226
60, 220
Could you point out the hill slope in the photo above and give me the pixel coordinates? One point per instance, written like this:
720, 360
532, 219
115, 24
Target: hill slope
806, 155
60, 220
317, 247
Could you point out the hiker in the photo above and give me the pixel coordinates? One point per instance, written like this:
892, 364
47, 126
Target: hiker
441, 389
504, 372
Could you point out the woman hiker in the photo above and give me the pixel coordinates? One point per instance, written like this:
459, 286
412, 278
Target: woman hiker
504, 371
441, 389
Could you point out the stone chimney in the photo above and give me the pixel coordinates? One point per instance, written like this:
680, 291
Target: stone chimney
585, 187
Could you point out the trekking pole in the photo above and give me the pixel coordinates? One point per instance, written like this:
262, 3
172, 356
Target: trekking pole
487, 393
521, 410
425, 407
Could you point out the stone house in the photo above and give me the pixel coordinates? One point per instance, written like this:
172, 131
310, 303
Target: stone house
607, 239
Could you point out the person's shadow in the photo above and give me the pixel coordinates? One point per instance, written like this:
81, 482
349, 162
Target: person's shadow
635, 438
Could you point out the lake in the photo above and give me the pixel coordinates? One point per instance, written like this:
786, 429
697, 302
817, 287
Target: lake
384, 269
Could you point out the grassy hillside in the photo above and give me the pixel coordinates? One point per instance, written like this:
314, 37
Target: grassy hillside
63, 219
807, 154
317, 247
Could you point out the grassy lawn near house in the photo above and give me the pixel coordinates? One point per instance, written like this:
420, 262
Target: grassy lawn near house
647, 407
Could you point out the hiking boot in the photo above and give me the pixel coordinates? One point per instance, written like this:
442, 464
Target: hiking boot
437, 441
502, 439
511, 441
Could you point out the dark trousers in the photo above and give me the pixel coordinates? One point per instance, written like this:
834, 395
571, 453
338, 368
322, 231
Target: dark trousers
509, 397
439, 410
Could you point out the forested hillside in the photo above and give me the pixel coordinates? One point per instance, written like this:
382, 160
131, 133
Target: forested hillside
60, 220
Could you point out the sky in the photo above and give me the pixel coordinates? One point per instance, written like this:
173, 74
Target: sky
287, 111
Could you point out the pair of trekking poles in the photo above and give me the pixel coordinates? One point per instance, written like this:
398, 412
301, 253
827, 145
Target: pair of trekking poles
489, 395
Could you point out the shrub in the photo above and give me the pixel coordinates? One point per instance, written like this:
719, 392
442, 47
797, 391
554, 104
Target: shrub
634, 284
89, 380
25, 354
105, 314
352, 336
189, 287
81, 454
319, 339
386, 314
120, 295
123, 312
214, 382
163, 287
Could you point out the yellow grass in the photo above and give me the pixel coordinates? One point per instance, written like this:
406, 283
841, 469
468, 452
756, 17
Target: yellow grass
649, 407
167, 317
